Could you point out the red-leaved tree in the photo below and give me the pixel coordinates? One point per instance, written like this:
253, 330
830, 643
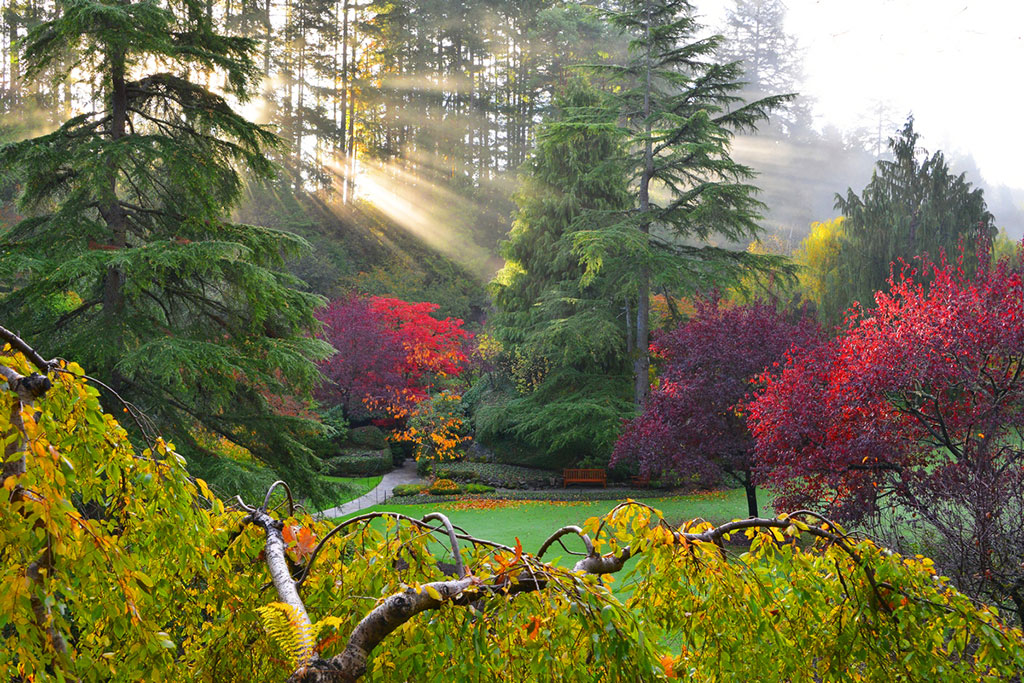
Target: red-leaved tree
434, 347
390, 353
910, 422
693, 425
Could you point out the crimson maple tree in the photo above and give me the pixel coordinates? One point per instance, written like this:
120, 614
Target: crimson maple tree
910, 422
435, 348
693, 424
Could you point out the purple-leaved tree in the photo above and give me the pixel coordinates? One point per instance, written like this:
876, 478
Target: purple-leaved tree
694, 424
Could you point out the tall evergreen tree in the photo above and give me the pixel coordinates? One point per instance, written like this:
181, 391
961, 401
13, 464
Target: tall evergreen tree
912, 206
679, 108
755, 35
127, 261
548, 318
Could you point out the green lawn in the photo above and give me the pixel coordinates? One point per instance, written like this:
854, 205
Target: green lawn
350, 488
533, 521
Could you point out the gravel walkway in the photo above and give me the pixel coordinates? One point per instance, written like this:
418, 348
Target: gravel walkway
406, 474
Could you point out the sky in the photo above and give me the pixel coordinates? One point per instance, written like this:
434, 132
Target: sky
957, 65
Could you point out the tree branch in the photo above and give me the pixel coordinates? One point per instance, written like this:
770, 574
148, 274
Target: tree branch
21, 345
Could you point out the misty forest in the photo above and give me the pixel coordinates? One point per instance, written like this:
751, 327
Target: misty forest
467, 340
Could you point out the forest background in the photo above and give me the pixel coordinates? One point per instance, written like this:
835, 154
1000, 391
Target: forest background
406, 130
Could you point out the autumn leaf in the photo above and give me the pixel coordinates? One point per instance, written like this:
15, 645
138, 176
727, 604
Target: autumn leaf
533, 627
300, 542
668, 664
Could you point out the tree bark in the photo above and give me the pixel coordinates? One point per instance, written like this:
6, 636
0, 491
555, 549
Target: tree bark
642, 360
751, 497
110, 208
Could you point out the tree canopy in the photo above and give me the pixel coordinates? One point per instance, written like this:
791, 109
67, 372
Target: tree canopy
569, 331
693, 428
679, 107
126, 258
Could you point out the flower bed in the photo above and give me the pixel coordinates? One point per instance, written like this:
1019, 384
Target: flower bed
554, 496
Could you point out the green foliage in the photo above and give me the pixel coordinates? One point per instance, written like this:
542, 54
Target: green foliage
678, 108
573, 413
282, 625
175, 308
427, 277
336, 427
108, 524
820, 275
171, 585
493, 474
1004, 248
727, 614
570, 415
912, 206
370, 437
478, 488
229, 476
364, 464
561, 337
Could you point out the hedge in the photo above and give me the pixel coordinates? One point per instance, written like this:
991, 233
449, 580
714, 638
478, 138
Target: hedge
359, 465
500, 476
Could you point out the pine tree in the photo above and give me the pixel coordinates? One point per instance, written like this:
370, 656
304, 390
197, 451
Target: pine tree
548, 318
127, 261
679, 108
912, 206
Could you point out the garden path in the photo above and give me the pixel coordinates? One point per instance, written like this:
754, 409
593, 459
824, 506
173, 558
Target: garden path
406, 474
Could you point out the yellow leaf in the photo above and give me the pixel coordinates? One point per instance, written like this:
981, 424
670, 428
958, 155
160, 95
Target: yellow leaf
433, 592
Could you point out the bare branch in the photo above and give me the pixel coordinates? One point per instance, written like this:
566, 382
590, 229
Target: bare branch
565, 531
287, 490
284, 585
459, 567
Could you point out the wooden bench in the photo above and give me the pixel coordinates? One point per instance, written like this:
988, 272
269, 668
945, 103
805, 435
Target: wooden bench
584, 476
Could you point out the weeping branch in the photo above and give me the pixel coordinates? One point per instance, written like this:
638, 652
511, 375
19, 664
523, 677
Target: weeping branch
281, 576
529, 575
26, 391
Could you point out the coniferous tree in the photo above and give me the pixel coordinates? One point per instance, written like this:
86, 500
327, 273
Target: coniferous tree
757, 37
127, 261
912, 206
548, 318
679, 108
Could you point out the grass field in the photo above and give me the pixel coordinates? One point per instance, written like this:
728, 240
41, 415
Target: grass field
533, 521
352, 487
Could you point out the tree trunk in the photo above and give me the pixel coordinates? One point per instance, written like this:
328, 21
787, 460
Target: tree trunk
642, 360
751, 490
110, 208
